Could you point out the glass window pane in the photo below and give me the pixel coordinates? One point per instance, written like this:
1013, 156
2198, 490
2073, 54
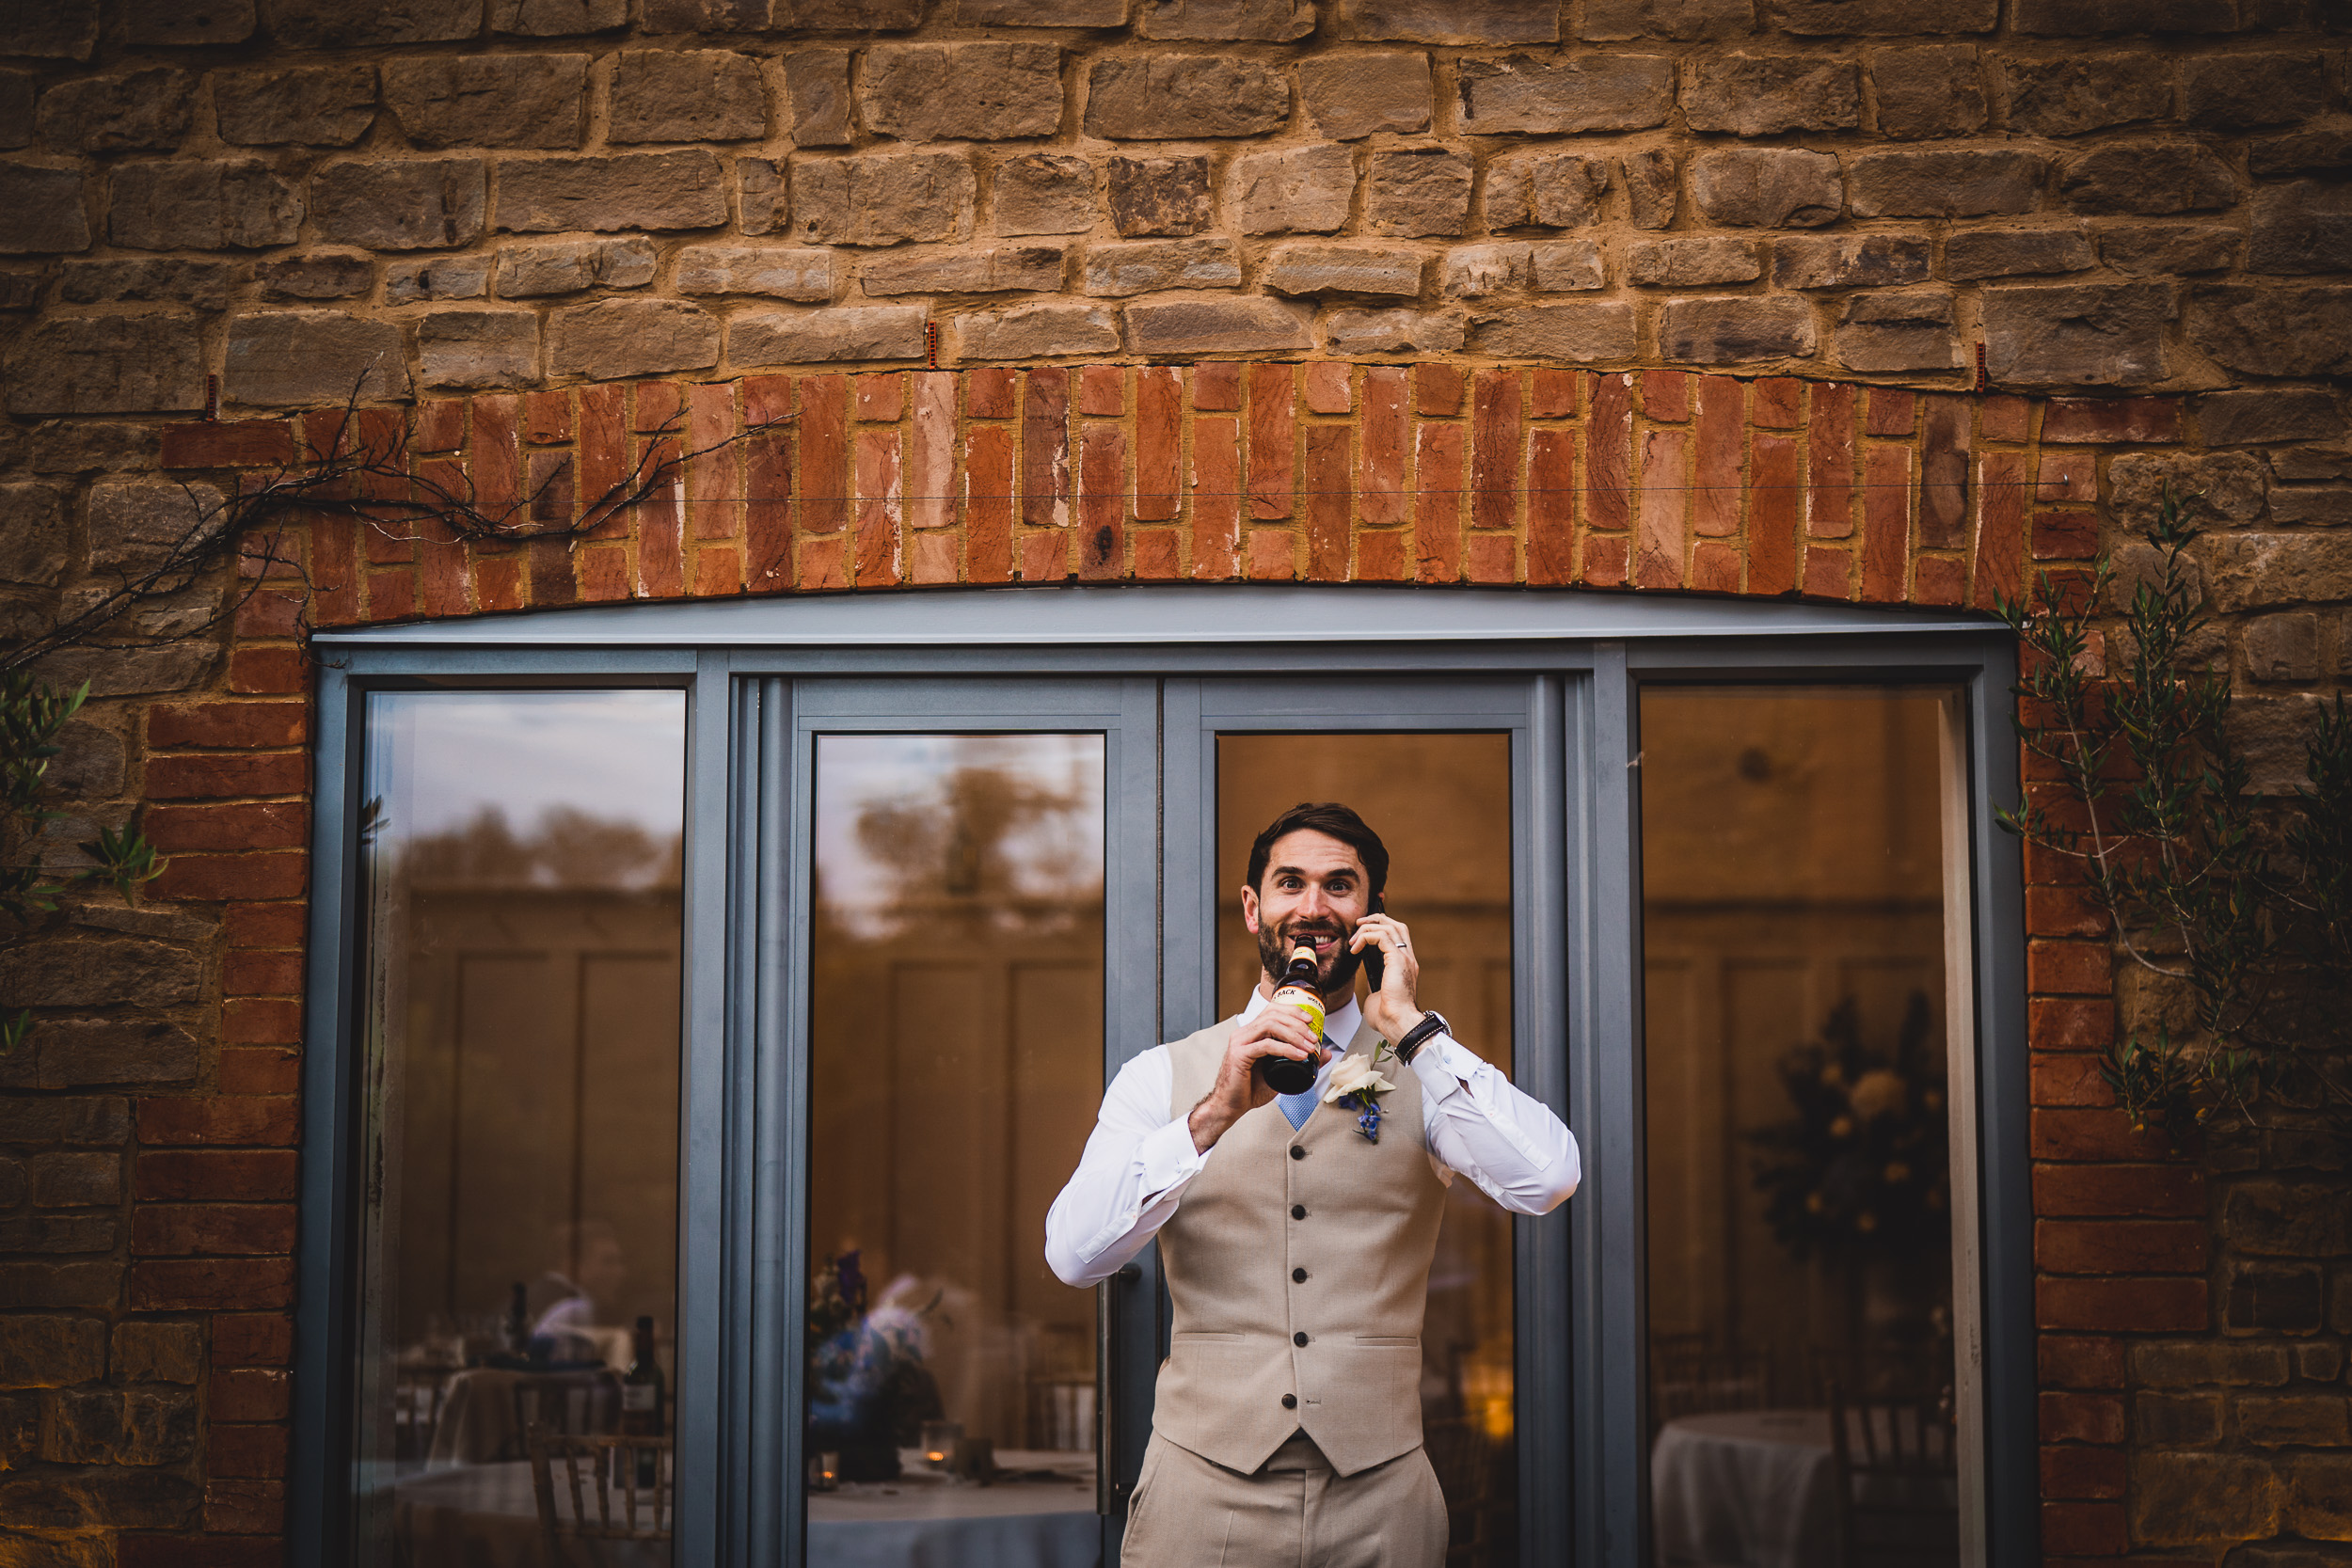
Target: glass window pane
955, 1062
1794, 909
1442, 805
520, 1240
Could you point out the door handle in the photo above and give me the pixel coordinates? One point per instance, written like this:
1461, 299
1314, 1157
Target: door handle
1106, 1486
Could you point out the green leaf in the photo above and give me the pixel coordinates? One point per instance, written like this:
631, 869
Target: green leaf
126, 859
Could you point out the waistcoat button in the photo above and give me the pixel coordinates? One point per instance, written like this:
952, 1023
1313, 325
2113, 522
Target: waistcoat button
1298, 1211
1290, 1401
1298, 1276
1297, 1153
1299, 1337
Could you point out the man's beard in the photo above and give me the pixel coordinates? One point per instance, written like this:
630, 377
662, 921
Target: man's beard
1335, 969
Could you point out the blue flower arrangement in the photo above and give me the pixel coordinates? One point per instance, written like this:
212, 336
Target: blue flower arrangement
1862, 1166
868, 1391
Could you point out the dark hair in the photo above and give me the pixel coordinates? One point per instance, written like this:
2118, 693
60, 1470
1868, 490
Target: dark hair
1333, 820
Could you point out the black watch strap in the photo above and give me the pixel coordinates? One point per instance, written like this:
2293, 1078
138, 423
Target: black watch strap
1432, 1025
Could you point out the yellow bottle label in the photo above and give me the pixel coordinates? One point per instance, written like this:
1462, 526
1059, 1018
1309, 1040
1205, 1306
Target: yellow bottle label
1305, 999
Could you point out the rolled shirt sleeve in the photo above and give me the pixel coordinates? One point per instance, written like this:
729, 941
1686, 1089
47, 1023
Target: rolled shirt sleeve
1137, 1162
1486, 1128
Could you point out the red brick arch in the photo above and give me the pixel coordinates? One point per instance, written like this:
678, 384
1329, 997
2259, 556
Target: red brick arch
1651, 481
1319, 472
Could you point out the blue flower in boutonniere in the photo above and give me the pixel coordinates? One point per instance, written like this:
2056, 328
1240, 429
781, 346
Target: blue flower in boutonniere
1355, 1085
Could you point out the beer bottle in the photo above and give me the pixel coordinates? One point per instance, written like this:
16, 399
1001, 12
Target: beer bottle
1297, 988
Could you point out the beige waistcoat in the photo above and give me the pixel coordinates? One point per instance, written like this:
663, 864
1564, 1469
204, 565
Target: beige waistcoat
1369, 1233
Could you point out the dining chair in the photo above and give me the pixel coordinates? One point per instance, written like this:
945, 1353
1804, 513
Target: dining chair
1691, 1376
1878, 1366
1062, 1414
578, 1401
634, 1477
418, 1396
1897, 1475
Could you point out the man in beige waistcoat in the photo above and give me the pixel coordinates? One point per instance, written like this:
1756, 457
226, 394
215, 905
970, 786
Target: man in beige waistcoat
1295, 1231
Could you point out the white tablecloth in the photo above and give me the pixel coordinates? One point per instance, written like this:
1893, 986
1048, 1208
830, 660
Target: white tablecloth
1755, 1489
486, 1516
1023, 1526
1750, 1487
922, 1521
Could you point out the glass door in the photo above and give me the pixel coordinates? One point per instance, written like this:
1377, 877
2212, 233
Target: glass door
1011, 888
1447, 772
517, 1279
966, 844
1808, 1063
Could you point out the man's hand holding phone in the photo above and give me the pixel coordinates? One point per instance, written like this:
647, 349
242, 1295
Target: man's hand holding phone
1387, 949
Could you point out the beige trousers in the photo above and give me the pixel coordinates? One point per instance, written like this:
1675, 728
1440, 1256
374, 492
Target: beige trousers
1294, 1513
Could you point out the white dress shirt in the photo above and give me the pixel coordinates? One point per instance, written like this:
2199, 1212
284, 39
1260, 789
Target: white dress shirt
1140, 1158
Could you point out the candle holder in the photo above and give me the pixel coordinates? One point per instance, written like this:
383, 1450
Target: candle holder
939, 1443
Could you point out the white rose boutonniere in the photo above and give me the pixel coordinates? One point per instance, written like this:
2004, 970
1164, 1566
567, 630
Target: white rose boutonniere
1354, 1084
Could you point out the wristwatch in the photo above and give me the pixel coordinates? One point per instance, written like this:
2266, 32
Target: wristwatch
1432, 1025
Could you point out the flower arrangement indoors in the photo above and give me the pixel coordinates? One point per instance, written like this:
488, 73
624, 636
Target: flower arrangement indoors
1862, 1168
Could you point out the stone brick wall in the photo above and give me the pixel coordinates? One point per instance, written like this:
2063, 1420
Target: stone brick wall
1646, 295
564, 190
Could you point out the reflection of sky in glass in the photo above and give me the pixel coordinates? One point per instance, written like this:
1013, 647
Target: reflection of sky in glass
440, 760
1055, 853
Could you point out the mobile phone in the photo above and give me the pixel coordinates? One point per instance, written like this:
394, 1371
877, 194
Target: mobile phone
1374, 960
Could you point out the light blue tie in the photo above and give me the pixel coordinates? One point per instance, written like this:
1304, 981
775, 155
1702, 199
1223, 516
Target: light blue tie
1296, 1108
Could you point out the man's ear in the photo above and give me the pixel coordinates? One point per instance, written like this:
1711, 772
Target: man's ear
1250, 909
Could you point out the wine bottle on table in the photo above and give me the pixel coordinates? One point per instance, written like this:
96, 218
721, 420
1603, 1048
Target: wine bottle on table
640, 1402
518, 1321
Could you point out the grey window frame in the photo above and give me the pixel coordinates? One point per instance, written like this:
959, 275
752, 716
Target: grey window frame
1585, 657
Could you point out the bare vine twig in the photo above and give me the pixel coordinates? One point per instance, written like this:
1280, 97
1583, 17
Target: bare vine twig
369, 482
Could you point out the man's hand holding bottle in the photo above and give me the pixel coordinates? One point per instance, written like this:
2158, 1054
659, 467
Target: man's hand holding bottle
1283, 1033
1290, 1028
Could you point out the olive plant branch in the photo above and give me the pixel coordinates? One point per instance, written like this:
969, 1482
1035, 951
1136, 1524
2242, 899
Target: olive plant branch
2182, 860
2059, 640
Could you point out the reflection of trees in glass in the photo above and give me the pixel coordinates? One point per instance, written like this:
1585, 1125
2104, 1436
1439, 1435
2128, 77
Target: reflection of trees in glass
566, 849
955, 1007
992, 839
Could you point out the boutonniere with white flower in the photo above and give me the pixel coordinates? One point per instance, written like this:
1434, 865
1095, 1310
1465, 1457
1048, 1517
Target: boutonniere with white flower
1357, 1085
